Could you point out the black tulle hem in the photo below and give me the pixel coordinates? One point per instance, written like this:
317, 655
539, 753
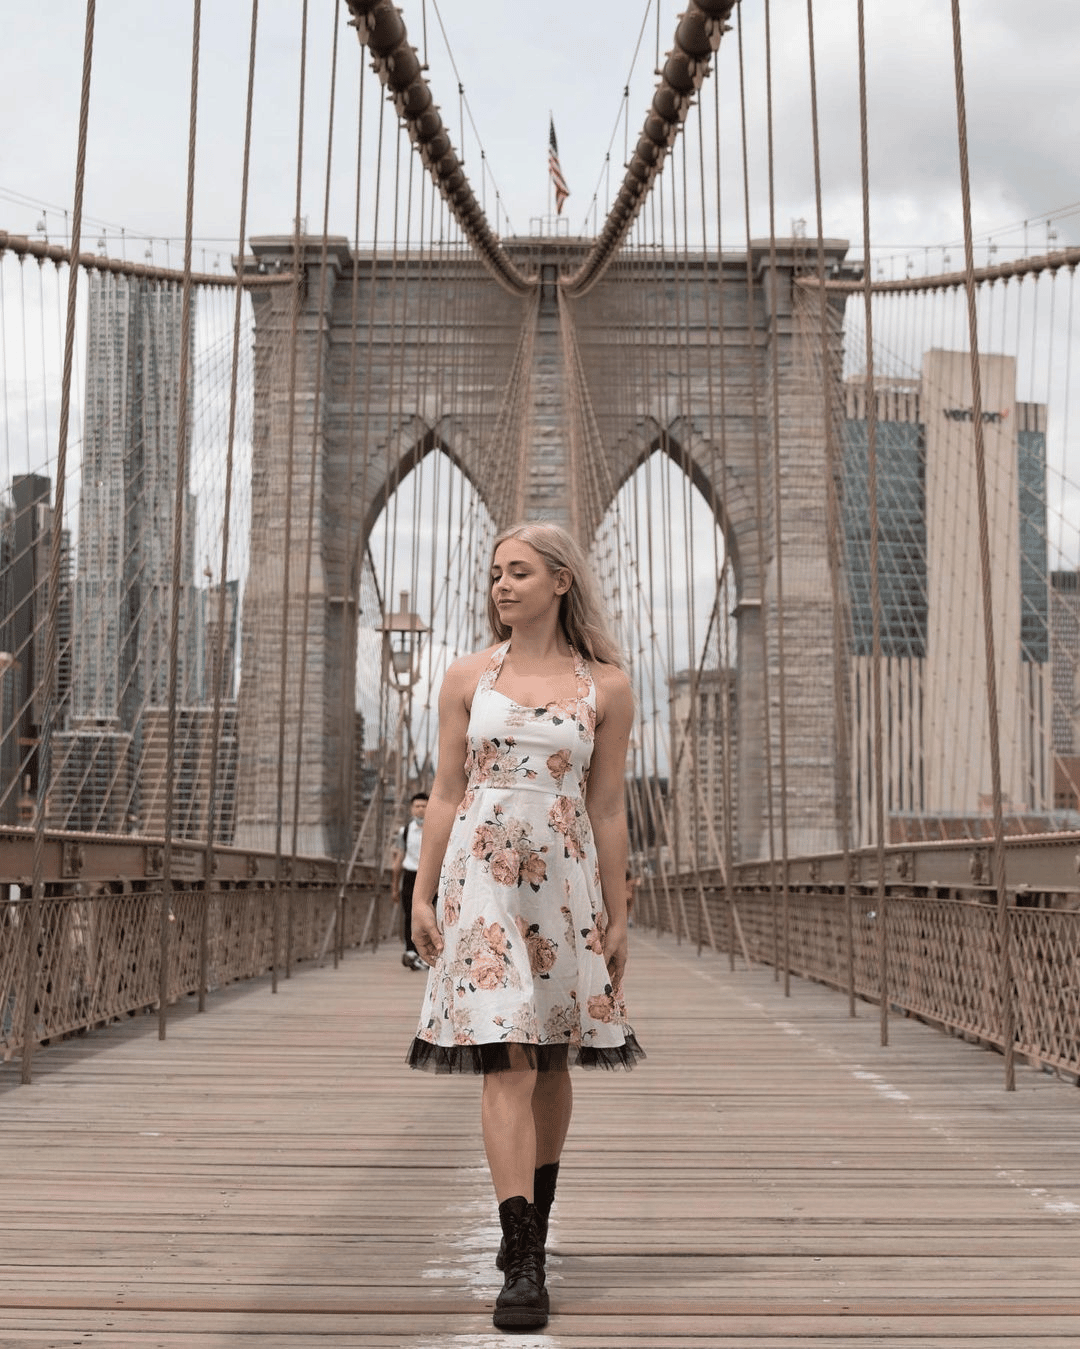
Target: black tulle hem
495, 1058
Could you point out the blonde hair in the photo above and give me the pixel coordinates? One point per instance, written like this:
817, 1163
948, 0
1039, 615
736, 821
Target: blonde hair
581, 612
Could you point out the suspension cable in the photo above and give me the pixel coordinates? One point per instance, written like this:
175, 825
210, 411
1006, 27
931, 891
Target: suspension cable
32, 955
986, 575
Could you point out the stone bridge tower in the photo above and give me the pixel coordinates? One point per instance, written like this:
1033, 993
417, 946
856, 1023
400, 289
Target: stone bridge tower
518, 415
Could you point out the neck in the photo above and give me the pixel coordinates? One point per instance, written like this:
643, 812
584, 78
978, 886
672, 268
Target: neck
539, 641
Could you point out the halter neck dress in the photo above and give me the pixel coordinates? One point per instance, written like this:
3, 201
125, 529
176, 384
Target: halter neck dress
519, 898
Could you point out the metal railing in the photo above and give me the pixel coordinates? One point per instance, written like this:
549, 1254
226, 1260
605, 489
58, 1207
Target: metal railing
934, 949
937, 950
107, 922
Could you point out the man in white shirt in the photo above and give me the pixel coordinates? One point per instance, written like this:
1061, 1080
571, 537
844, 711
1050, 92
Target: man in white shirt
404, 861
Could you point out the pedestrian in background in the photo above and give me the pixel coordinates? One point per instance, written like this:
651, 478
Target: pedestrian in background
404, 861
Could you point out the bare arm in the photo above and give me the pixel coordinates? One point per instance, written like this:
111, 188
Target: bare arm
446, 793
605, 800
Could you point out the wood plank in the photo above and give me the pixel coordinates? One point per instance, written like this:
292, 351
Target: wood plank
273, 1175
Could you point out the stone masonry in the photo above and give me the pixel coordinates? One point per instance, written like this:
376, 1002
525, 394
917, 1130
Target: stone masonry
736, 409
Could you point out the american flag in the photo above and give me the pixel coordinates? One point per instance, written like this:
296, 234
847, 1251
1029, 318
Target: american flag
561, 190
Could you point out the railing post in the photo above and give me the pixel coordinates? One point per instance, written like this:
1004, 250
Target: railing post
31, 978
1006, 997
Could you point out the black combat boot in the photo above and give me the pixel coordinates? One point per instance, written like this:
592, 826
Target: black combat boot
523, 1302
544, 1178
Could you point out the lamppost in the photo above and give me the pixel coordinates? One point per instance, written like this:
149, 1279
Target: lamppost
402, 633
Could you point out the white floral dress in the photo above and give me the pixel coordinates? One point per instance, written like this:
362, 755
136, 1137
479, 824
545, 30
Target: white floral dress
519, 898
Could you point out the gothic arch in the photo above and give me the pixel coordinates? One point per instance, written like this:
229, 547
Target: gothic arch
731, 501
449, 437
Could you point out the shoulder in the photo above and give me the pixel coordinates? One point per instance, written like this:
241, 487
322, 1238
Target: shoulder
614, 695
463, 674
609, 679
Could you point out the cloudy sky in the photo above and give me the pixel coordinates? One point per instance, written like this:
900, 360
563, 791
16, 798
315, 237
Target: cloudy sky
517, 61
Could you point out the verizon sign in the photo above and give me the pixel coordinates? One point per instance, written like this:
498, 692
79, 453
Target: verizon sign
968, 415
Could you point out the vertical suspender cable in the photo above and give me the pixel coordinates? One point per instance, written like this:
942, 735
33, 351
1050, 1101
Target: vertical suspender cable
719, 452
832, 508
778, 530
31, 956
352, 563
179, 512
363, 550
320, 355
299, 268
668, 402
1005, 993
655, 395
759, 507
697, 663
875, 584
218, 666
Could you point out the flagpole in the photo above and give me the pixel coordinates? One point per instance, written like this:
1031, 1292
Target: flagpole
551, 122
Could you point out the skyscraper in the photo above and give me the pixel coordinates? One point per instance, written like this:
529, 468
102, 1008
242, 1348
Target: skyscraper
1065, 659
25, 561
124, 579
123, 583
933, 680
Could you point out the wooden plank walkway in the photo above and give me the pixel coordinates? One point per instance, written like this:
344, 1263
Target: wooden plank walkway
272, 1177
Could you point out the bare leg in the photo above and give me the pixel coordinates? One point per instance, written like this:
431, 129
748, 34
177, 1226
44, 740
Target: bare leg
552, 1106
506, 1114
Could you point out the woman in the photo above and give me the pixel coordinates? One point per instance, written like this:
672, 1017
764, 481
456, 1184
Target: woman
529, 950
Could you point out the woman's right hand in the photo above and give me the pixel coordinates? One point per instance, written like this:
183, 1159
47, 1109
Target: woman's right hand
425, 930
615, 953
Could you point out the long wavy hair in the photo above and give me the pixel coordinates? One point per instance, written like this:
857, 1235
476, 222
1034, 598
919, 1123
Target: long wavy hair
581, 612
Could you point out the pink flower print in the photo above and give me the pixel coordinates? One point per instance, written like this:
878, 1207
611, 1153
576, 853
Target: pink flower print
563, 1022
506, 764
451, 909
495, 937
542, 955
563, 818
562, 814
486, 839
558, 765
521, 1028
602, 1006
505, 866
586, 719
594, 938
464, 1037
466, 802
541, 950
487, 972
486, 757
533, 870
516, 831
